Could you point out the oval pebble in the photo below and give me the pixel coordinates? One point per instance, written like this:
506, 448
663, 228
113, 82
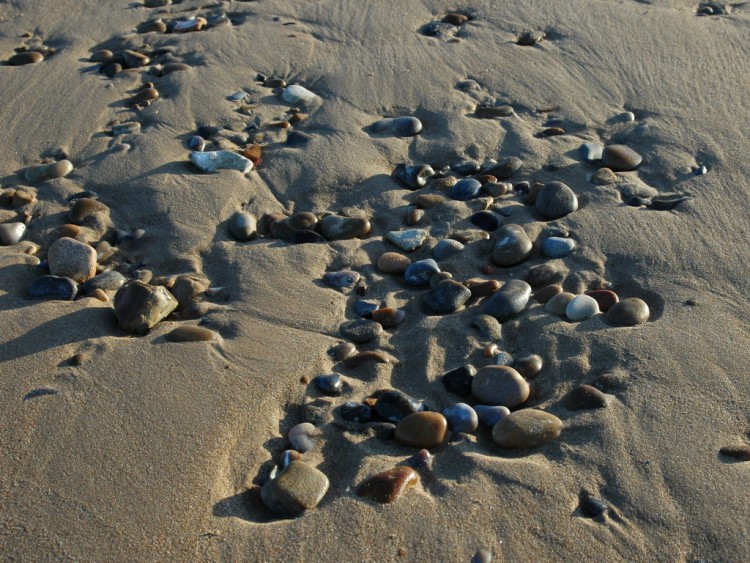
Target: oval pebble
295, 94
446, 248
343, 278
458, 380
342, 351
581, 307
740, 453
419, 273
107, 281
243, 226
548, 292
558, 304
629, 312
465, 189
398, 126
422, 430
620, 158
505, 168
446, 297
525, 429
604, 297
555, 200
461, 418
302, 437
528, 366
361, 330
335, 227
388, 317
585, 397
486, 220
11, 233
393, 263
491, 414
508, 301
513, 246
407, 240
25, 58
190, 334
500, 385
329, 384
392, 406
53, 288
365, 308
556, 247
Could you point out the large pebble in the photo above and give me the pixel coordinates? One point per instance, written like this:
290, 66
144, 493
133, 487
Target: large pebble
505, 168
25, 58
398, 126
302, 437
111, 280
620, 158
295, 94
528, 366
446, 248
422, 430
342, 278
555, 200
413, 176
139, 306
212, 161
491, 414
557, 247
461, 418
547, 292
387, 486
393, 263
581, 307
408, 240
526, 429
243, 226
465, 189
500, 385
629, 312
508, 301
740, 453
458, 380
335, 227
11, 233
513, 246
53, 288
361, 330
72, 259
419, 273
558, 304
392, 406
447, 296
298, 488
190, 334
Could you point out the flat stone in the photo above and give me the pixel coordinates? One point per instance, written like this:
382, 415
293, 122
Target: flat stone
422, 430
458, 380
25, 58
500, 385
298, 488
388, 317
307, 237
361, 330
629, 312
466, 167
52, 288
488, 326
604, 297
11, 233
420, 272
413, 176
620, 158
393, 263
547, 292
370, 356
555, 200
213, 161
428, 201
556, 247
482, 288
446, 297
393, 406
72, 259
508, 301
243, 226
581, 307
108, 281
408, 240
505, 168
387, 486
591, 152
513, 246
492, 112
491, 414
558, 304
461, 418
342, 278
585, 397
190, 334
335, 227
139, 306
446, 248
527, 428
407, 126
465, 189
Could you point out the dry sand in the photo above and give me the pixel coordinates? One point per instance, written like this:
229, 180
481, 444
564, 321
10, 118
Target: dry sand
147, 451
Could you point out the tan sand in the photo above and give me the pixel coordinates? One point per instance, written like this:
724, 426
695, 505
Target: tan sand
147, 451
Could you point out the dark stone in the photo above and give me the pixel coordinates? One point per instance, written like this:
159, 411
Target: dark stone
306, 237
365, 308
458, 380
387, 486
544, 275
486, 220
509, 300
740, 453
419, 273
591, 507
298, 139
465, 189
361, 330
329, 384
585, 397
413, 176
447, 296
505, 168
355, 412
53, 288
106, 281
555, 200
620, 158
392, 406
513, 246
629, 312
666, 203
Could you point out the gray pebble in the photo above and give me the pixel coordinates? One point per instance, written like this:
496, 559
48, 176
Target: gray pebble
361, 330
509, 300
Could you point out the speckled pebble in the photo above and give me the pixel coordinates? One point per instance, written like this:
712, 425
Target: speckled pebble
448, 296
508, 301
393, 263
72, 259
525, 429
393, 406
558, 304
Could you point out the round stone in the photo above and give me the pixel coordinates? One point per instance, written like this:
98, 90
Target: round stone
620, 158
392, 406
420, 272
335, 227
342, 278
329, 384
11, 233
398, 126
558, 304
53, 288
361, 330
555, 200
190, 334
526, 429
604, 297
629, 312
72, 259
298, 488
461, 418
139, 306
408, 240
486, 220
465, 189
491, 414
513, 246
422, 430
243, 226
387, 486
508, 301
528, 366
448, 296
581, 307
446, 248
591, 152
388, 317
458, 380
500, 385
556, 247
585, 397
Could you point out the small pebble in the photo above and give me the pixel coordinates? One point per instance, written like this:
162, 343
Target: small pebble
505, 168
585, 397
388, 317
398, 126
387, 486
343, 278
486, 220
298, 488
421, 461
413, 176
497, 189
500, 385
335, 227
525, 429
482, 556
243, 226
482, 288
488, 326
629, 312
420, 272
302, 437
361, 330
492, 112
190, 334
392, 406
408, 240
461, 418
530, 38
465, 189
58, 169
666, 203
53, 288
145, 97
581, 307
44, 391
85, 207
329, 384
287, 457
591, 152
700, 170
558, 304
547, 292
355, 412
393, 263
370, 356
513, 246
422, 430
196, 143
604, 177
503, 358
458, 380
466, 167
365, 308
528, 366
620, 158
139, 306
604, 297
25, 58
11, 233
342, 351
555, 200
446, 248
491, 414
508, 301
414, 217
592, 507
555, 247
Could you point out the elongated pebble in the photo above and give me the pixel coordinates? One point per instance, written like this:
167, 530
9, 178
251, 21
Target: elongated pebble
145, 97
212, 161
398, 126
394, 405
295, 94
525, 429
508, 301
342, 351
25, 58
388, 317
581, 307
740, 453
329, 384
370, 356
190, 334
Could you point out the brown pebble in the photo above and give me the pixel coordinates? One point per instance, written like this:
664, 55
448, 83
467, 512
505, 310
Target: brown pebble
144, 97
491, 112
490, 351
388, 317
482, 288
281, 124
21, 198
558, 303
547, 292
604, 297
740, 453
525, 429
190, 334
342, 351
528, 366
487, 269
629, 312
604, 177
387, 486
101, 56
414, 216
25, 58
486, 179
99, 294
393, 263
169, 68
426, 201
85, 207
585, 397
78, 359
375, 356
552, 132
422, 430
455, 18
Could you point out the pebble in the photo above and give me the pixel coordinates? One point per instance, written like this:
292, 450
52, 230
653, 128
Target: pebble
58, 169
581, 307
393, 406
111, 280
629, 312
465, 189
528, 366
196, 143
145, 97
295, 94
482, 288
555, 200
526, 429
547, 292
237, 96
466, 167
488, 326
455, 18
306, 237
398, 126
503, 358
666, 203
72, 259
585, 397
421, 461
83, 208
458, 380
740, 453
169, 68
342, 351
482, 556
361, 330
604, 177
461, 418
25, 58
127, 128
365, 308
591, 152
556, 247
335, 227
505, 168
604, 297
408, 240
355, 412
500, 385
343, 278
212, 161
419, 273
427, 201
376, 356
447, 296
513, 246
243, 226
190, 334
700, 170
393, 263
434, 29
287, 457
156, 3
508, 301
413, 176
298, 488
302, 437
592, 507
491, 112
491, 414
329, 384
544, 274
11, 233
486, 220
530, 38
101, 56
414, 216
139, 306
421, 430
620, 158
446, 248
558, 304
388, 317
387, 486
285, 228
53, 288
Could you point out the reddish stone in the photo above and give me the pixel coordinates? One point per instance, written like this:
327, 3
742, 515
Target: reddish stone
387, 486
604, 297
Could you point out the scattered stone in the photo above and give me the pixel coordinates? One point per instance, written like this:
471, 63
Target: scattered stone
482, 288
497, 189
329, 384
558, 304
295, 94
361, 330
428, 201
190, 334
393, 406
492, 112
285, 228
447, 296
604, 297
488, 326
555, 200
530, 38
25, 58
397, 126
505, 168
585, 397
58, 169
139, 306
551, 132
11, 233
620, 158
413, 176
629, 312
509, 300
85, 207
465, 189
503, 358
500, 385
740, 453
591, 152
547, 292
343, 278
455, 18
422, 430
393, 263
408, 240
491, 414
513, 246
581, 307
528, 366
355, 412
604, 177
342, 351
298, 488
458, 380
375, 356
53, 288
302, 437
387, 486
526, 429
486, 220
461, 418
213, 161
420, 272
544, 275
446, 248
72, 259
335, 227
243, 226
145, 97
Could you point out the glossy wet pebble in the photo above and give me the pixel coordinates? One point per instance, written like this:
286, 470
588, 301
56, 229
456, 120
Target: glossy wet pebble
398, 126
392, 406
500, 385
329, 384
555, 200
491, 414
139, 306
465, 189
335, 227
585, 397
486, 220
508, 301
11, 233
298, 488
106, 281
422, 430
513, 246
408, 240
72, 259
558, 304
419, 273
302, 437
213, 161
413, 176
591, 152
461, 418
190, 334
342, 351
581, 307
446, 248
52, 288
528, 366
145, 97
25, 58
361, 330
387, 486
620, 158
604, 297
448, 296
343, 278
556, 247
393, 263
243, 226
458, 380
629, 312
525, 429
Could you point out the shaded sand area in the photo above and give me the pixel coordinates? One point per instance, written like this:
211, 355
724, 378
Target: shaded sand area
123, 447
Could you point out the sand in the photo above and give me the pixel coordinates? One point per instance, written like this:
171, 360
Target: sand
147, 451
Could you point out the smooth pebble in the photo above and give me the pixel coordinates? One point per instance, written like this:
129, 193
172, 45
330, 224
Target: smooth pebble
556, 247
52, 288
11, 233
581, 307
389, 485
302, 437
491, 414
555, 200
461, 418
629, 312
422, 430
419, 273
408, 240
508, 301
298, 488
361, 330
398, 126
500, 385
392, 406
513, 246
458, 380
620, 158
525, 429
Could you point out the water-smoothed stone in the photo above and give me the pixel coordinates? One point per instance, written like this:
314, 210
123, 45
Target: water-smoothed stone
482, 288
465, 189
419, 273
145, 97
397, 126
393, 263
555, 200
620, 158
169, 68
355, 412
370, 356
213, 161
740, 453
556, 247
190, 334
298, 488
428, 201
488, 326
492, 112
11, 233
525, 429
329, 384
72, 259
629, 312
361, 330
422, 430
604, 297
502, 358
581, 307
528, 366
285, 228
447, 297
298, 139
500, 385
466, 167
491, 414
544, 274
295, 94
547, 292
458, 380
446, 248
470, 235
111, 280
243, 226
667, 203
558, 304
335, 227
302, 437
365, 308
25, 58
58, 169
421, 461
604, 177
486, 220
53, 288
508, 301
461, 418
139, 306
393, 406
83, 208
591, 152
387, 486
388, 317
408, 240
513, 246
343, 278
505, 168
585, 397
413, 176
342, 351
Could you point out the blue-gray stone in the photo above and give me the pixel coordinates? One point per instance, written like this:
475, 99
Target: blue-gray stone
447, 296
490, 414
465, 189
399, 126
461, 418
107, 281
591, 152
365, 308
555, 200
407, 240
508, 301
557, 247
343, 278
53, 287
486, 220
446, 248
503, 359
419, 273
329, 384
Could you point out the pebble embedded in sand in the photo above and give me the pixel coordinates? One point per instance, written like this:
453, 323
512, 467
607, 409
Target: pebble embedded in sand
285, 228
101, 56
591, 152
212, 161
558, 304
488, 326
342, 351
740, 453
296, 94
243, 226
145, 97
500, 385
419, 273
530, 38
446, 248
139, 306
85, 207
58, 169
544, 275
505, 168
369, 357
52, 288
422, 430
329, 384
585, 397
156, 3
134, 59
556, 247
604, 177
190, 334
187, 25
486, 220
393, 406
620, 158
482, 288
302, 437
72, 259
127, 128
413, 176
25, 58
398, 126
365, 308
11, 233
388, 317
629, 312
335, 227
106, 281
581, 307
491, 112
447, 296
465, 189
298, 488
458, 380
408, 240
509, 300
387, 486
393, 263
513, 246
343, 278
525, 429
548, 292
355, 412
461, 418
361, 330
604, 297
555, 200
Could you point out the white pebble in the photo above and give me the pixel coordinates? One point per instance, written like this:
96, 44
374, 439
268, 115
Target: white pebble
295, 93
